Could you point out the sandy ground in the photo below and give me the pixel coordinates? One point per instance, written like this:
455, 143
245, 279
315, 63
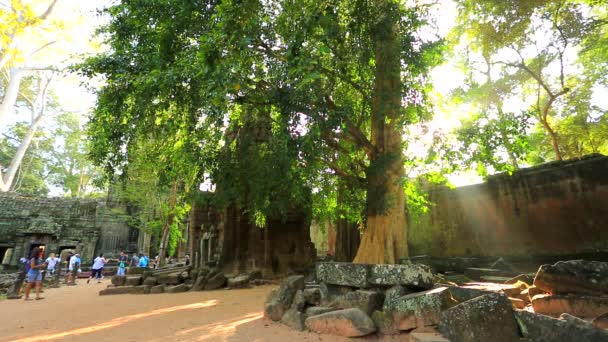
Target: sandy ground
78, 313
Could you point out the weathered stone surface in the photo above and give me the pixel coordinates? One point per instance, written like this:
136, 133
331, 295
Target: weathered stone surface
385, 323
215, 282
121, 290
411, 275
347, 322
462, 294
176, 288
294, 319
540, 328
581, 306
312, 296
279, 300
458, 279
392, 295
136, 270
366, 301
150, 281
170, 278
574, 276
343, 273
318, 310
601, 321
157, 289
332, 294
200, 283
118, 280
426, 337
133, 280
239, 281
422, 308
485, 318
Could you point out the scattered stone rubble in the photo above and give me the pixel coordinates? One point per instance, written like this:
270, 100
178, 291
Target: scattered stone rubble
6, 281
567, 301
177, 278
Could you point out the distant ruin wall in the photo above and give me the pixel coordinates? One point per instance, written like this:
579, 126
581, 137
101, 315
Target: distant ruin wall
88, 226
557, 208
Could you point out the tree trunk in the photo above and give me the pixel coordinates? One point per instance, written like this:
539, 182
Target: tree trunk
10, 94
7, 180
384, 238
164, 241
348, 239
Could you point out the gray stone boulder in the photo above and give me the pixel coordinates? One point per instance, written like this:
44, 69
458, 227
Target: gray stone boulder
279, 300
177, 288
385, 323
312, 296
347, 322
170, 278
427, 337
150, 281
485, 318
601, 321
294, 317
366, 301
200, 283
119, 280
540, 328
157, 289
343, 273
239, 281
415, 276
573, 277
215, 282
422, 308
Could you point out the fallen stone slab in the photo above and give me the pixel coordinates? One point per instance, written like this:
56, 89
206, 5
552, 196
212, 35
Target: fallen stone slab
422, 308
573, 277
485, 318
517, 303
392, 295
119, 280
415, 276
133, 280
121, 290
169, 278
343, 273
239, 281
200, 283
279, 300
177, 288
318, 310
215, 282
580, 306
501, 264
136, 270
150, 281
527, 278
385, 323
157, 289
541, 328
331, 295
294, 317
458, 279
347, 322
366, 301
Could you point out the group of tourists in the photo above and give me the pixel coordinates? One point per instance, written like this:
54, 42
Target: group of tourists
36, 268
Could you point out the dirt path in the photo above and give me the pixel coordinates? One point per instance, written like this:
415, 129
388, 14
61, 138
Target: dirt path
78, 313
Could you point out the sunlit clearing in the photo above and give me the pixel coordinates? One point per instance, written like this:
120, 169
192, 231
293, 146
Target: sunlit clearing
116, 322
221, 329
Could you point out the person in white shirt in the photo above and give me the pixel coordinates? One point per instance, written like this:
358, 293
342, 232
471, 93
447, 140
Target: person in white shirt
97, 268
73, 266
52, 264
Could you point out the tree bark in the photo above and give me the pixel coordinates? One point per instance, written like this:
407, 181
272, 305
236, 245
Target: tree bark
384, 238
164, 241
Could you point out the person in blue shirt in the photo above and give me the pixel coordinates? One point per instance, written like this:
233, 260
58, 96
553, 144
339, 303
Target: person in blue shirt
143, 261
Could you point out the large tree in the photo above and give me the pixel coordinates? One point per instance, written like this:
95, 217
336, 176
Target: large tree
333, 83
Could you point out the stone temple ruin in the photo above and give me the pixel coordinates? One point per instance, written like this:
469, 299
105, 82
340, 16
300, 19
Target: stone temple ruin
60, 225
